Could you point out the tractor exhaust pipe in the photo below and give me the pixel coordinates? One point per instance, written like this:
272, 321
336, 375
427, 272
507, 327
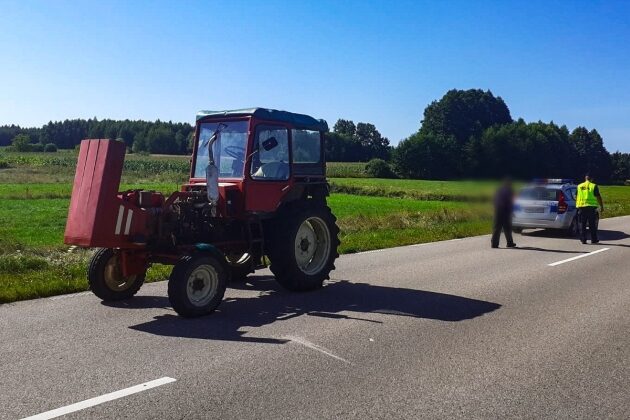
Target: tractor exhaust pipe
212, 172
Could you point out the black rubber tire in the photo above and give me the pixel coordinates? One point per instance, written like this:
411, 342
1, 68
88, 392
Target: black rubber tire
178, 283
281, 246
96, 278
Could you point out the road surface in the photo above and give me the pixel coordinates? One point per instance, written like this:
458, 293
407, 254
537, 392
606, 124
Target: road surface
444, 330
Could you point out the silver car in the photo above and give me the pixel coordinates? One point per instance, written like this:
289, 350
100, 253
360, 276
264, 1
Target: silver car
547, 204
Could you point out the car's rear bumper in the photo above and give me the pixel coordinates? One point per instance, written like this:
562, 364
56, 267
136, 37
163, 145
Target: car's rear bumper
560, 222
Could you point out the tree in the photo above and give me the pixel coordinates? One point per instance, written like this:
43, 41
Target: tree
464, 114
591, 155
378, 168
620, 166
21, 143
139, 143
374, 145
345, 127
426, 156
50, 148
521, 150
161, 140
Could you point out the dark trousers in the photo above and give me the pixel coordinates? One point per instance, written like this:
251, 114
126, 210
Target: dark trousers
502, 222
588, 216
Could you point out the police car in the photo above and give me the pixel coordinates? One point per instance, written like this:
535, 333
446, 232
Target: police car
547, 204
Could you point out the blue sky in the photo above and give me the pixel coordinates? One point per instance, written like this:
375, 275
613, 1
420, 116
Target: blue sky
379, 62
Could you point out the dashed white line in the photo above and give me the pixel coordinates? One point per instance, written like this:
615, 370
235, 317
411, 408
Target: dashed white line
100, 400
313, 346
578, 257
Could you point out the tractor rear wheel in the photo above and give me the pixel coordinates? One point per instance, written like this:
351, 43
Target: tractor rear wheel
197, 285
303, 247
106, 279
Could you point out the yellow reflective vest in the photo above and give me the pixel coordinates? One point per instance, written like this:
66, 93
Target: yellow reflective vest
586, 195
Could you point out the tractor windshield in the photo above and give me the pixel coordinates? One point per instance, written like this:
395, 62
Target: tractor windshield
228, 150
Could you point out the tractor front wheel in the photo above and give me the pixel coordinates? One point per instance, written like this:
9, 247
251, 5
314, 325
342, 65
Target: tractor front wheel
197, 285
303, 247
106, 279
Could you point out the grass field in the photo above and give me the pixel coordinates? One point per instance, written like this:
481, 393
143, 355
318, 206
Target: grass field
372, 214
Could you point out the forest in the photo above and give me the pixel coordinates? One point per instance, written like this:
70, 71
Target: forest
465, 134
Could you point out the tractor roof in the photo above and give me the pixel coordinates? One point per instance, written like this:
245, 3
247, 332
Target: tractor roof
298, 120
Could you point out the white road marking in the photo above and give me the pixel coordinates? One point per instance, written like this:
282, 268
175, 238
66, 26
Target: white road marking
578, 257
320, 349
100, 400
121, 212
71, 295
370, 251
405, 246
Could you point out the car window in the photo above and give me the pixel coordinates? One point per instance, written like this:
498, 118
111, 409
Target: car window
270, 159
306, 146
539, 193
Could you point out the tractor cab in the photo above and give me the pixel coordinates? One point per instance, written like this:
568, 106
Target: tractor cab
252, 160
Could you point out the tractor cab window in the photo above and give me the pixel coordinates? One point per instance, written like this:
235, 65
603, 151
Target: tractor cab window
270, 156
306, 146
228, 150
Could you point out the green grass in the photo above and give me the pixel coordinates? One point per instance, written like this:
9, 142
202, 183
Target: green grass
372, 213
417, 189
64, 190
345, 170
616, 200
369, 223
32, 223
59, 167
38, 274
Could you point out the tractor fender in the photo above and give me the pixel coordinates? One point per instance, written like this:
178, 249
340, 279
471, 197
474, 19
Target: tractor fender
209, 249
300, 192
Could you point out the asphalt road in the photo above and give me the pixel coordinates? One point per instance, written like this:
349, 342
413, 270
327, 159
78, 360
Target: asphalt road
443, 330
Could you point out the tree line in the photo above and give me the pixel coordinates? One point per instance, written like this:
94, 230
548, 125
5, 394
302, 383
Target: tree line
140, 136
471, 134
465, 134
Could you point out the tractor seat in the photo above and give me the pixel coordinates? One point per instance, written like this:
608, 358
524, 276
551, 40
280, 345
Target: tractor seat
272, 170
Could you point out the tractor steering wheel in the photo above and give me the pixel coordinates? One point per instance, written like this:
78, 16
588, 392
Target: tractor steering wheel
236, 152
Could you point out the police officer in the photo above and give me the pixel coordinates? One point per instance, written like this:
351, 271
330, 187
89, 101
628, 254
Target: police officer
503, 207
588, 197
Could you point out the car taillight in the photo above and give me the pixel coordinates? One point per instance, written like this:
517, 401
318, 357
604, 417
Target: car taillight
562, 203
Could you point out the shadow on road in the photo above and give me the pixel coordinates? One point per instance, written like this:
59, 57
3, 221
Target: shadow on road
604, 235
559, 251
274, 305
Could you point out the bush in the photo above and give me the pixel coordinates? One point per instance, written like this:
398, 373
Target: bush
378, 168
4, 164
50, 148
37, 147
21, 143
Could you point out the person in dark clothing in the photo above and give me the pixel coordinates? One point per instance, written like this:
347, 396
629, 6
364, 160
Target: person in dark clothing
503, 207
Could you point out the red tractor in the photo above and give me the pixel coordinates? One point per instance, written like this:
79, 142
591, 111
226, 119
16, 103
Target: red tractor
257, 193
